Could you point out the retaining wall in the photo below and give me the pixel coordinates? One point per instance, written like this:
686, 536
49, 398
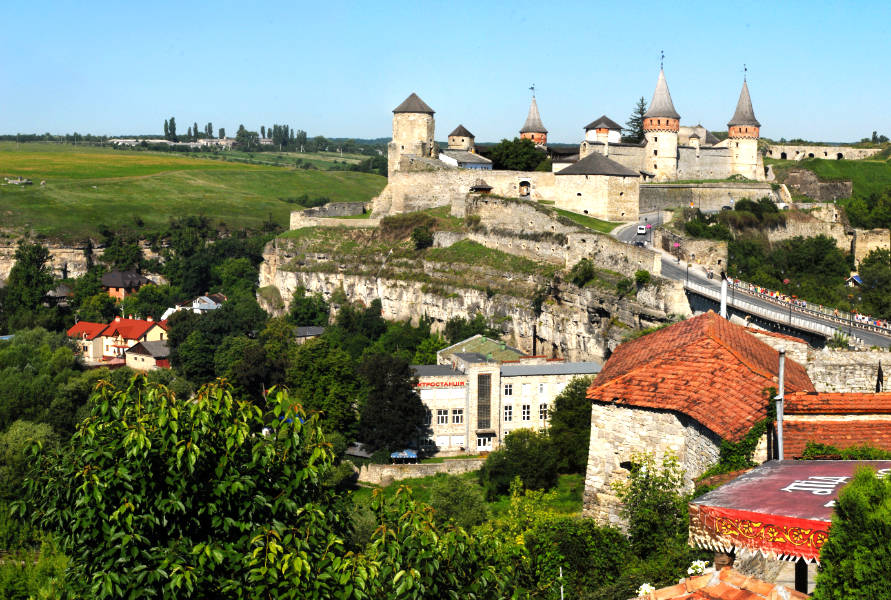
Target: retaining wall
387, 474
704, 196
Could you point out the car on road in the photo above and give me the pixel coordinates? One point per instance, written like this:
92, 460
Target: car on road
641, 230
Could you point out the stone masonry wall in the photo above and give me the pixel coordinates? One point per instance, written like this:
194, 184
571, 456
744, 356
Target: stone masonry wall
709, 253
794, 152
704, 196
707, 163
867, 240
618, 432
386, 474
806, 225
803, 181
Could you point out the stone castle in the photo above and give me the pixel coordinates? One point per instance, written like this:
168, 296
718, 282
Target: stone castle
602, 180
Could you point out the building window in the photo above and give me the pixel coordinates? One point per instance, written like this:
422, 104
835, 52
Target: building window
442, 416
428, 417
508, 389
508, 413
526, 412
527, 387
541, 389
457, 416
655, 153
483, 400
543, 412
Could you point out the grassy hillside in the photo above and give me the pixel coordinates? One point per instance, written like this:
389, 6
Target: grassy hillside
87, 187
868, 177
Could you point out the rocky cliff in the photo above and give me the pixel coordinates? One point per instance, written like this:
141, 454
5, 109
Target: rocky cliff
577, 324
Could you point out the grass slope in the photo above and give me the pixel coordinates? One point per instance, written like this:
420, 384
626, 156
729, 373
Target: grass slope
88, 187
867, 176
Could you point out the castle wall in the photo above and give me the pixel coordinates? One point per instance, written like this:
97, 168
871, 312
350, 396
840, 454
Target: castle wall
707, 163
704, 196
805, 225
806, 182
796, 152
708, 253
867, 240
609, 198
619, 432
630, 157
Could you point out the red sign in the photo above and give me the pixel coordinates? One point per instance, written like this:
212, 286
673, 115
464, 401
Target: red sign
440, 384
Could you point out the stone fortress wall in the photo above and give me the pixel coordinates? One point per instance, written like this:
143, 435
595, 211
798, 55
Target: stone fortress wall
801, 152
386, 474
704, 196
867, 240
803, 181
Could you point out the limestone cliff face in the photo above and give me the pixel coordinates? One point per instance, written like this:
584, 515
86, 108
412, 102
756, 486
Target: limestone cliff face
66, 261
574, 324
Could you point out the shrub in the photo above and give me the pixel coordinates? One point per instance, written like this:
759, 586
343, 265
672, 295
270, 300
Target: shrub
570, 426
642, 277
582, 273
526, 454
457, 499
422, 238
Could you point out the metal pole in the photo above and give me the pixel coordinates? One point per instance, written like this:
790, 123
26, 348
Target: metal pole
779, 399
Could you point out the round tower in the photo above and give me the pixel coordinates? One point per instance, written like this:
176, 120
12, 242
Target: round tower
413, 130
461, 139
660, 124
744, 131
533, 129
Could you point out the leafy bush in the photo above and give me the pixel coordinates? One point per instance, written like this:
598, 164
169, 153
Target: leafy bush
642, 277
422, 238
457, 499
526, 454
582, 272
816, 451
570, 426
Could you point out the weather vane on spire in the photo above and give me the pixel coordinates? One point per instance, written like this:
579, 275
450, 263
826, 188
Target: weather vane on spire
533, 90
661, 59
745, 71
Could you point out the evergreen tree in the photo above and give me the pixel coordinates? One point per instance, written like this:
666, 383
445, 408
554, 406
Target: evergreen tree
29, 279
393, 416
570, 425
854, 560
194, 132
222, 134
189, 133
172, 130
262, 131
634, 132
166, 130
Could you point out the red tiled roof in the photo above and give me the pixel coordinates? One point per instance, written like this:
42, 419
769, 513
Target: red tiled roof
726, 584
837, 403
86, 329
129, 329
835, 432
705, 367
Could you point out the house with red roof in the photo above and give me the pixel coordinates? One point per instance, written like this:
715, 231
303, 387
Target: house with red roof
837, 419
87, 337
679, 390
121, 334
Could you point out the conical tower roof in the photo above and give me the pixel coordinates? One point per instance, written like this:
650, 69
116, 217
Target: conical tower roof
745, 114
461, 131
413, 104
533, 122
661, 105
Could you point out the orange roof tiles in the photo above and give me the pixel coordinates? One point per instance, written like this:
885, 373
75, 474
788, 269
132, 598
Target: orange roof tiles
705, 367
726, 584
835, 432
86, 330
130, 329
834, 403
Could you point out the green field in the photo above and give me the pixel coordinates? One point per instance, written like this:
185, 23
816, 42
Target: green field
87, 187
589, 222
323, 161
867, 176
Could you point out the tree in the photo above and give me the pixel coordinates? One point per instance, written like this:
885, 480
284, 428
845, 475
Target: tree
150, 301
300, 139
516, 155
308, 310
425, 354
194, 131
99, 308
14, 459
262, 131
208, 130
222, 133
457, 499
171, 128
634, 132
166, 130
123, 253
29, 279
875, 273
526, 454
570, 426
393, 416
459, 328
242, 362
422, 238
189, 134
192, 498
854, 560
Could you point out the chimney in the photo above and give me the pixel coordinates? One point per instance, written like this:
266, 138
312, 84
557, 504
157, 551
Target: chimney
117, 319
149, 319
779, 399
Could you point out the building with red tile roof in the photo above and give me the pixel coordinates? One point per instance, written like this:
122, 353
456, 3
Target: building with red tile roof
121, 334
88, 338
726, 584
836, 419
680, 390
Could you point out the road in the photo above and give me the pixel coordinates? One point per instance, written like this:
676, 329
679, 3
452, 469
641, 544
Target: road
672, 269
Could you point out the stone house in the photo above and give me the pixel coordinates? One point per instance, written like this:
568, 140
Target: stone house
87, 337
122, 334
682, 390
838, 419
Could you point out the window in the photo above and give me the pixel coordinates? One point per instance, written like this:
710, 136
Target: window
527, 387
484, 401
484, 442
526, 412
541, 389
457, 416
442, 441
442, 416
508, 413
543, 412
508, 389
655, 153
428, 417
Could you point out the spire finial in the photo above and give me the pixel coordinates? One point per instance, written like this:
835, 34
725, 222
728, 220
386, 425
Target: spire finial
745, 71
661, 59
532, 87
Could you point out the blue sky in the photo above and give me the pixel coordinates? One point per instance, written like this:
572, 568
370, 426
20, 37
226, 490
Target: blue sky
817, 70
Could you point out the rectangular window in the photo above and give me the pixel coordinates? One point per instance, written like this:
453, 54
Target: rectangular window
483, 400
442, 441
526, 412
508, 389
508, 413
543, 412
428, 417
541, 389
457, 416
442, 416
527, 389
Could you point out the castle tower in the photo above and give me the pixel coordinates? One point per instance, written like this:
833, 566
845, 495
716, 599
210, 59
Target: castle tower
461, 139
533, 129
661, 123
743, 131
413, 130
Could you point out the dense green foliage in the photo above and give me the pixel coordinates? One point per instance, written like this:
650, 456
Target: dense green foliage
161, 496
634, 131
308, 310
734, 456
526, 454
459, 328
458, 500
570, 426
875, 292
516, 155
393, 416
818, 451
854, 560
582, 272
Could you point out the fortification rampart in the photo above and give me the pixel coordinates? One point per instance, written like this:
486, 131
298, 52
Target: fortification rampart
800, 224
867, 240
704, 196
704, 163
795, 152
709, 253
805, 182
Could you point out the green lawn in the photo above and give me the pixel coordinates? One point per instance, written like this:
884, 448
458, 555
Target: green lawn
868, 176
589, 222
472, 253
87, 187
323, 161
